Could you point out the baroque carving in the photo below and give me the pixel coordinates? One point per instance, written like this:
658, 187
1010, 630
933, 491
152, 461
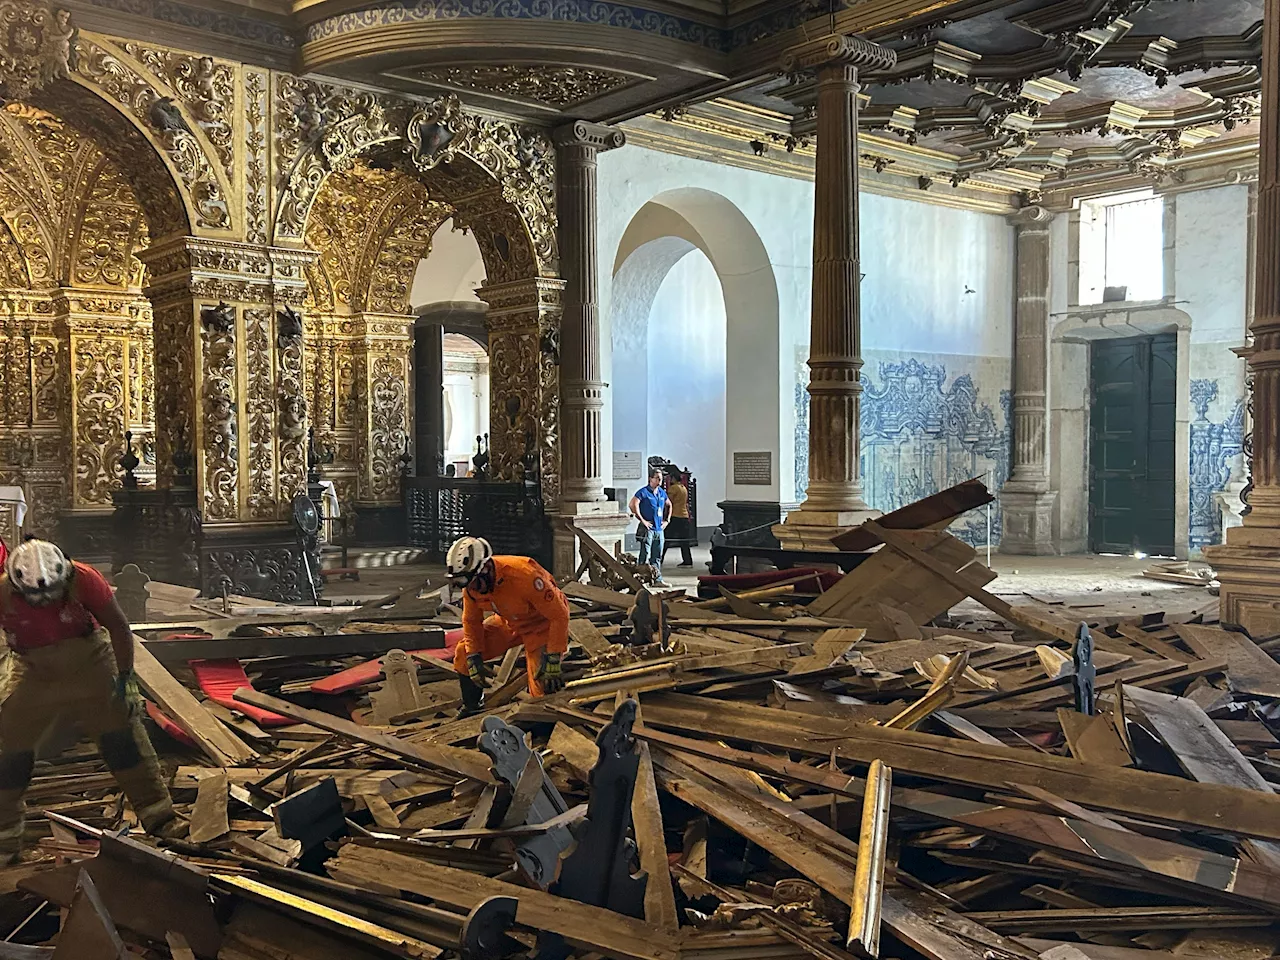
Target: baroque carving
255, 163
220, 448
136, 95
100, 414
293, 416
204, 86
38, 47
260, 499
554, 86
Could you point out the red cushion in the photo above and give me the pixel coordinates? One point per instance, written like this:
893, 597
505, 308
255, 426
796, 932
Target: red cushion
220, 679
370, 670
168, 726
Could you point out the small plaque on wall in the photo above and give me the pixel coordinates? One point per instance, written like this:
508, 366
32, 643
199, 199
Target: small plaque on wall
628, 464
753, 469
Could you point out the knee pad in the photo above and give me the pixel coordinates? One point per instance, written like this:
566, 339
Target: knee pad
119, 749
15, 769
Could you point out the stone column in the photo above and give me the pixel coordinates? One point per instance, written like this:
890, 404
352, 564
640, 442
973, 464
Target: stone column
1026, 498
833, 501
428, 398
581, 389
1248, 564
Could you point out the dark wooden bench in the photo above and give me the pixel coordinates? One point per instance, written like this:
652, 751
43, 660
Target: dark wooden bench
784, 559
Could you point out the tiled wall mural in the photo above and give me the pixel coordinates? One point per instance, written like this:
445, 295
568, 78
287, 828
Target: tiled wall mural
921, 435
1214, 447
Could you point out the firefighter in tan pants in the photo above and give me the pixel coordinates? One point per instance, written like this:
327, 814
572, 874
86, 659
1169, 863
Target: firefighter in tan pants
74, 659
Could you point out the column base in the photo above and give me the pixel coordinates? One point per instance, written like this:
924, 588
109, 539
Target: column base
1248, 569
815, 529
599, 519
1028, 522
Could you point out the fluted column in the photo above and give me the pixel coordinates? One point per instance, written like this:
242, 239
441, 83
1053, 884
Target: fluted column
833, 500
1025, 497
581, 389
1248, 564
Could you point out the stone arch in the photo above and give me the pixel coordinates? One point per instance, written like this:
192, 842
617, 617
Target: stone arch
661, 234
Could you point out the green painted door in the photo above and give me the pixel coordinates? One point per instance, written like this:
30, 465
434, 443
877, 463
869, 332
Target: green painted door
1131, 450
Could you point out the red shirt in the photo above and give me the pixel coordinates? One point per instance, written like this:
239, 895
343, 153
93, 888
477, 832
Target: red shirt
75, 616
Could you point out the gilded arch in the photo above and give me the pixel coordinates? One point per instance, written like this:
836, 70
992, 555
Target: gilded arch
498, 180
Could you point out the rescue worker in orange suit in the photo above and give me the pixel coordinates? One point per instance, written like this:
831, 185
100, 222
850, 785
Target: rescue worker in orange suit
73, 659
525, 607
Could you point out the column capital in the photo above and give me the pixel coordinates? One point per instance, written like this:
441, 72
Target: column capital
1032, 216
581, 133
840, 49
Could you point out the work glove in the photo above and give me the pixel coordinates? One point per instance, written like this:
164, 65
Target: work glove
126, 692
478, 670
549, 673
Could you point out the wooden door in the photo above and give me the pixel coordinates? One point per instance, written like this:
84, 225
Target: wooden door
1132, 420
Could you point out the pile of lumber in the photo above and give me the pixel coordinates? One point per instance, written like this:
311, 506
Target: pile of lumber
803, 769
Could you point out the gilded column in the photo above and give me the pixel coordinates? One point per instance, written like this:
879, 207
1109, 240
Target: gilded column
581, 389
833, 501
381, 371
1248, 564
1026, 498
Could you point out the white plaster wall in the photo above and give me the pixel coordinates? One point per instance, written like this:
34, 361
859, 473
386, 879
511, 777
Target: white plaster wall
1206, 270
686, 381
780, 211
451, 272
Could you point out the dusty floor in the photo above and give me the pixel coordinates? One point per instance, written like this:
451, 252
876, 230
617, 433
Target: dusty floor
1080, 585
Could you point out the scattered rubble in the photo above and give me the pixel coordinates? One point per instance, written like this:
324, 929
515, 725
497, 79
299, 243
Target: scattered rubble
794, 765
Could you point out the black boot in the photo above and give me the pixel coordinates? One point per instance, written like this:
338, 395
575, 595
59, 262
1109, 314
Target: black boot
472, 696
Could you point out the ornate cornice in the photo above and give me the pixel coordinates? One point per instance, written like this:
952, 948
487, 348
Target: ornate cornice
843, 49
593, 135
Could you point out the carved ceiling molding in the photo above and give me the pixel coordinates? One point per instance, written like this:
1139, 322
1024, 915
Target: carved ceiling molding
545, 84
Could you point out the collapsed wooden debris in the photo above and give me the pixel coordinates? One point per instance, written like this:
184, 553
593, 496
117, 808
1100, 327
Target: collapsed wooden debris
811, 765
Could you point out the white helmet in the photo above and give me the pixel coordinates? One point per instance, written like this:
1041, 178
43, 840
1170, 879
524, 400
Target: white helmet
39, 571
466, 558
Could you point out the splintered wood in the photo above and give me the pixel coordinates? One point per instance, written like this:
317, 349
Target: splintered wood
772, 769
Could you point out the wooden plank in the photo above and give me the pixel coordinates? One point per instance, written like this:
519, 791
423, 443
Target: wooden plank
219, 744
587, 544
465, 763
646, 816
1090, 840
936, 510
1148, 795
1093, 739
1249, 670
1204, 752
583, 926
1161, 648
209, 815
763, 825
1023, 617
599, 595
588, 636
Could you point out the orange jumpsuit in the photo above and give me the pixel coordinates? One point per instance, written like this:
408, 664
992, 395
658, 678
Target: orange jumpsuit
527, 607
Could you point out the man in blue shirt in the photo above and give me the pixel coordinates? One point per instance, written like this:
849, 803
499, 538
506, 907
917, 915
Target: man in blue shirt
652, 508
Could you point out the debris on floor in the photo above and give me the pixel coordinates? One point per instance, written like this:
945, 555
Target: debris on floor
797, 764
